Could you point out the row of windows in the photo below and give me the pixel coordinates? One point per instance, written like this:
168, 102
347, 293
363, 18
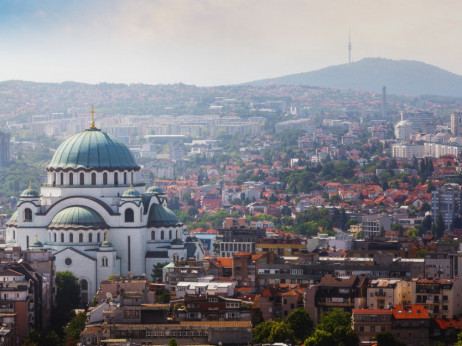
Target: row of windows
162, 235
71, 237
129, 215
81, 178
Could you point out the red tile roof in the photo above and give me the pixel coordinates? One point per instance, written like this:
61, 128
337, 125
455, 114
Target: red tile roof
410, 312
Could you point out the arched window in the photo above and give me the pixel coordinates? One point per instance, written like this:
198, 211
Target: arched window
90, 238
104, 178
153, 235
116, 179
83, 285
161, 235
62, 178
80, 238
82, 179
169, 234
14, 234
54, 237
104, 261
93, 179
129, 215
98, 237
125, 178
71, 238
62, 237
27, 215
71, 179
131, 178
54, 179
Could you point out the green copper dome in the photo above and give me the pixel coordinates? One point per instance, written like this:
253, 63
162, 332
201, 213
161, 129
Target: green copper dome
37, 244
155, 190
131, 192
160, 216
93, 148
77, 218
29, 193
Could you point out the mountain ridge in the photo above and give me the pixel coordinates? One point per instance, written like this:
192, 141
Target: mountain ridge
401, 77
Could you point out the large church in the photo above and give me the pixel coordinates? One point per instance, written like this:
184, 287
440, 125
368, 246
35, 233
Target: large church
96, 216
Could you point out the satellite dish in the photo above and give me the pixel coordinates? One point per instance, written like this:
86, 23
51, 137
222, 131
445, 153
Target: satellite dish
108, 295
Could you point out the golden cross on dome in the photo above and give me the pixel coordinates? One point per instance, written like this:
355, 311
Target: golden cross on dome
92, 124
36, 236
30, 184
105, 237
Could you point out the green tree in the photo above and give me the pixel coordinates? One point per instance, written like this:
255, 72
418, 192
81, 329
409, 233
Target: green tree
320, 338
172, 342
67, 297
338, 323
262, 332
281, 332
440, 227
387, 339
42, 338
157, 273
74, 328
164, 298
301, 324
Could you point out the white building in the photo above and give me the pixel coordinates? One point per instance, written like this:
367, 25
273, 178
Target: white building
407, 151
437, 150
95, 215
403, 130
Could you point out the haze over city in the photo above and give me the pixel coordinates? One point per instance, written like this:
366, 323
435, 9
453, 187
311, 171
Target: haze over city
216, 42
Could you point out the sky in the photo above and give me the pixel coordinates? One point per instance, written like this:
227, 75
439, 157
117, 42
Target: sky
217, 42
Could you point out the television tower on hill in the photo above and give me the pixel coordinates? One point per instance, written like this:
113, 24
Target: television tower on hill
349, 47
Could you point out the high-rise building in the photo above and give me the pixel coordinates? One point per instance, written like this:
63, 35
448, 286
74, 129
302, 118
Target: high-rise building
4, 148
456, 123
447, 201
404, 130
421, 121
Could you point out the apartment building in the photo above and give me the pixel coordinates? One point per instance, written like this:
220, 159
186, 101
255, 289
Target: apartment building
441, 297
386, 293
447, 201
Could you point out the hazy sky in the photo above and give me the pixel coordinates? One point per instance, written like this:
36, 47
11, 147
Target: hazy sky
215, 42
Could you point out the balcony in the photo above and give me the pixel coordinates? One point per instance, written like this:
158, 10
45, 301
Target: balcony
380, 294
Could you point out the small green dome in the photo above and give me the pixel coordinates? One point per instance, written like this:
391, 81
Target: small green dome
13, 219
36, 244
106, 243
160, 216
93, 148
131, 192
30, 193
177, 242
77, 217
155, 190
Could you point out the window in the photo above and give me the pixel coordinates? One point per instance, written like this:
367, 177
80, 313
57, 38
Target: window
27, 215
169, 234
14, 235
68, 261
62, 178
104, 262
82, 179
104, 178
54, 237
62, 237
153, 235
116, 179
90, 238
129, 215
98, 237
361, 329
80, 238
71, 179
372, 329
93, 179
125, 178
71, 238
54, 179
83, 285
161, 235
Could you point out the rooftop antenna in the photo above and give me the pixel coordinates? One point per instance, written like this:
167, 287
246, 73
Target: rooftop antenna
349, 47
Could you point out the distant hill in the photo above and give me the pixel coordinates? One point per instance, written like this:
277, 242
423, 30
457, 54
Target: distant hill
401, 77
